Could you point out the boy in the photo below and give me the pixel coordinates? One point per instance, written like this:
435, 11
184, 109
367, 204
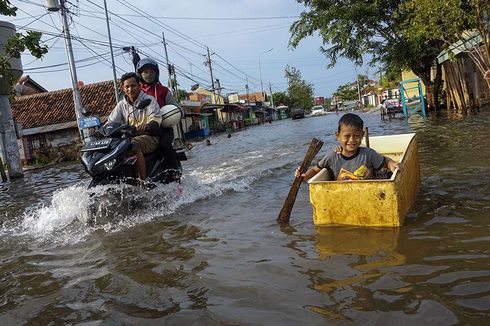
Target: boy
351, 162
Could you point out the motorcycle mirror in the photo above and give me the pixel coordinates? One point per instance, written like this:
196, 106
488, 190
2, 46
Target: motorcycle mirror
143, 104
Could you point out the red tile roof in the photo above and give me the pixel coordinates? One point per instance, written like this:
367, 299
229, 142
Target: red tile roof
50, 108
252, 97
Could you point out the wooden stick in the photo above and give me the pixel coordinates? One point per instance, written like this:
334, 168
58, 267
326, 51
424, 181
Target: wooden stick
366, 136
313, 149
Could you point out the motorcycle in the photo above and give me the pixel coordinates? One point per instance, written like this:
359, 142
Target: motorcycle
108, 158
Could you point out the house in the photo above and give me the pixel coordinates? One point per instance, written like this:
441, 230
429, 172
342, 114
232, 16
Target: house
27, 86
253, 97
463, 81
369, 99
48, 121
411, 89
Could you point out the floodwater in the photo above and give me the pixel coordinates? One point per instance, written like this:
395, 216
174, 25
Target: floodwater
214, 254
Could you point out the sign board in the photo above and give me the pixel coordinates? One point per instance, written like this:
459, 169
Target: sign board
89, 122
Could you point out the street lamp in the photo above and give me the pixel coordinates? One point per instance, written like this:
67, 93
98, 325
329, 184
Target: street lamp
260, 71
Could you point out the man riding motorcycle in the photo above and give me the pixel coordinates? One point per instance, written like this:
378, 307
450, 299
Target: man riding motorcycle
147, 120
148, 71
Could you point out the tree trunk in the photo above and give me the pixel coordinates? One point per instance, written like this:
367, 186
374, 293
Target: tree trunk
431, 92
438, 86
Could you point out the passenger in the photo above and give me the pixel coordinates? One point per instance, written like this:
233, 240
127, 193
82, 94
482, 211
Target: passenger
147, 119
148, 71
350, 161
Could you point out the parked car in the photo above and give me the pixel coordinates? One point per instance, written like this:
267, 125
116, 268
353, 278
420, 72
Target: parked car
297, 113
317, 110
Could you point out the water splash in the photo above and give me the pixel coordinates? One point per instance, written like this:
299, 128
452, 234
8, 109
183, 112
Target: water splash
65, 218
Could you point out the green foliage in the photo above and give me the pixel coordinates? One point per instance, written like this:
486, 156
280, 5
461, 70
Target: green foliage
354, 28
181, 94
449, 21
6, 8
390, 79
440, 19
346, 92
280, 97
300, 92
328, 102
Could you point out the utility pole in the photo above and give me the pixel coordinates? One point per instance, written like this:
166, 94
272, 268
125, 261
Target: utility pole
176, 86
168, 64
208, 62
246, 88
270, 90
77, 99
8, 141
8, 136
112, 53
358, 85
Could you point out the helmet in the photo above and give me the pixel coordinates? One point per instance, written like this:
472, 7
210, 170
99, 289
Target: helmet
147, 63
171, 115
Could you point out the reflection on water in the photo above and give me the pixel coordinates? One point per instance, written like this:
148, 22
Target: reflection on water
215, 255
360, 257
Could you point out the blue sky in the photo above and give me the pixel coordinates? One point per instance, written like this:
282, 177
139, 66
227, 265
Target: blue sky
230, 29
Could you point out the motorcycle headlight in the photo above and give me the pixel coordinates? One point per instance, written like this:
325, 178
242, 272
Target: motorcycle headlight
109, 164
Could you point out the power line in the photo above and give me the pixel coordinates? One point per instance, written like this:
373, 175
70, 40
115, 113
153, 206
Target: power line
65, 63
215, 18
171, 29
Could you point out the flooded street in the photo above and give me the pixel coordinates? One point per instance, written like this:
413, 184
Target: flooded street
215, 255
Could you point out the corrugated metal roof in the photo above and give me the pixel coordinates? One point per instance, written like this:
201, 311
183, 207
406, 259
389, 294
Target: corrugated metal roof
468, 42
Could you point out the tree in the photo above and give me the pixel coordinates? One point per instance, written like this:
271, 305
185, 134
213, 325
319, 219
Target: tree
449, 21
182, 94
390, 79
346, 92
280, 98
353, 28
18, 43
300, 92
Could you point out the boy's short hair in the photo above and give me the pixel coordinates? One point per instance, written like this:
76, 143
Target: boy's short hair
352, 120
127, 76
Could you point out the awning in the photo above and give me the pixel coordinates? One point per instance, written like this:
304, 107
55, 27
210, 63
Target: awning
223, 107
193, 114
467, 43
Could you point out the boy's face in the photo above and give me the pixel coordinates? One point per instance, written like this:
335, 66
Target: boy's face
350, 139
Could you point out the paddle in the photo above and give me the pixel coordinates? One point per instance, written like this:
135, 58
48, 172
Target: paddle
285, 213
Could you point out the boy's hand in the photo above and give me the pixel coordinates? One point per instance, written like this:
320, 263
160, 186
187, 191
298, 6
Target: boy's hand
298, 174
338, 149
393, 165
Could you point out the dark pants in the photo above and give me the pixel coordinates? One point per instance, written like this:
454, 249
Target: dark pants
166, 147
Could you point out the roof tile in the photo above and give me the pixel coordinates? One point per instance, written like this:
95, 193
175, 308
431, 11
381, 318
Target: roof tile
49, 108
